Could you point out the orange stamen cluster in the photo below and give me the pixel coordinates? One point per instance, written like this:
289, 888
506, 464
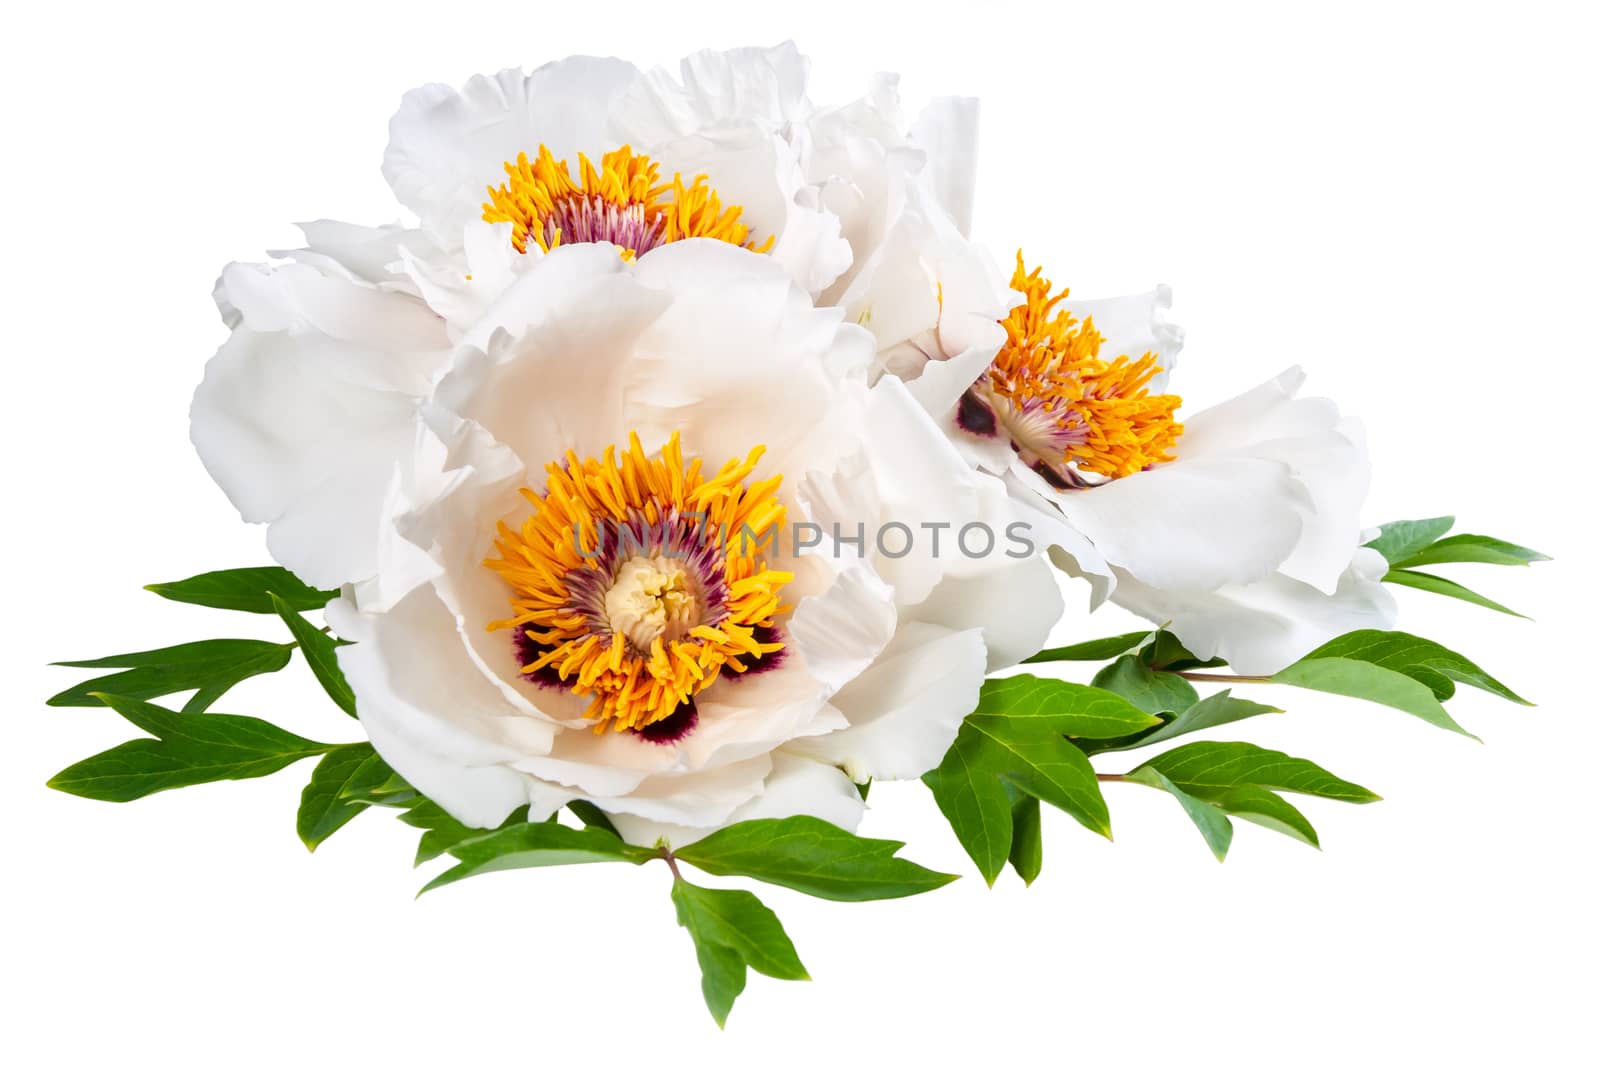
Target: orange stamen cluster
563, 564
1110, 422
622, 201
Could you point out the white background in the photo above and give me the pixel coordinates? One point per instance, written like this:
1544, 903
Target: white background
1400, 198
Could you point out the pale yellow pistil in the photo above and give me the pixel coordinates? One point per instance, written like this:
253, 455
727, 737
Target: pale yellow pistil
652, 598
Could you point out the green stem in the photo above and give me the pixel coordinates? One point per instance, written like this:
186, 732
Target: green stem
1222, 678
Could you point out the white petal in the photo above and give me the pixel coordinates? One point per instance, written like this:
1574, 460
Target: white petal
447, 147
1014, 608
307, 409
766, 86
796, 786
1193, 524
840, 631
1260, 628
1135, 325
1326, 453
905, 711
430, 714
948, 130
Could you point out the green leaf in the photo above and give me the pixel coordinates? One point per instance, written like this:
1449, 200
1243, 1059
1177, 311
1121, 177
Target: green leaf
974, 802
380, 787
319, 648
722, 975
326, 803
1211, 770
1267, 809
203, 698
188, 749
1422, 660
590, 815
1485, 550
732, 930
814, 857
1252, 803
442, 833
1090, 650
1438, 585
248, 590
1209, 820
1069, 709
1363, 680
535, 844
1151, 690
1210, 712
1018, 736
1399, 540
211, 665
1166, 651
1027, 839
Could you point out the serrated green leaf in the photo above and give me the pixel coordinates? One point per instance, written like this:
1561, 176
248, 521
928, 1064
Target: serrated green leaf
1209, 820
1399, 540
247, 590
318, 648
1027, 839
1221, 708
731, 930
1209, 770
814, 857
213, 666
1429, 663
1438, 585
188, 749
326, 803
1150, 690
535, 844
1484, 550
1090, 650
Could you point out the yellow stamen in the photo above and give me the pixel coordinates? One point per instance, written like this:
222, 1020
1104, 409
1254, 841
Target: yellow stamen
623, 201
643, 626
1110, 423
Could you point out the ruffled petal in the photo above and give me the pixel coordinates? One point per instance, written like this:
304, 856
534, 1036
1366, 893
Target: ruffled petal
947, 130
1260, 628
1013, 608
796, 785
447, 147
431, 714
307, 409
905, 711
1134, 325
1193, 524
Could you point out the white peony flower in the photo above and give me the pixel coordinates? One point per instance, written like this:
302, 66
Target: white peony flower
583, 150
593, 624
1239, 527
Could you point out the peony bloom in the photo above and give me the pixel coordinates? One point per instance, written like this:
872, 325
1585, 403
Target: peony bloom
645, 511
309, 414
1239, 527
